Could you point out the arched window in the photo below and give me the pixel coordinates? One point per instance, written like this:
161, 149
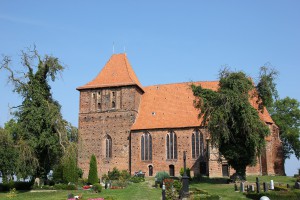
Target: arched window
197, 144
108, 147
171, 146
113, 104
146, 146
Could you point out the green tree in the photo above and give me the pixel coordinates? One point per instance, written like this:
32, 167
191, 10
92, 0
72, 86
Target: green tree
38, 118
266, 86
234, 125
286, 114
69, 163
93, 174
8, 155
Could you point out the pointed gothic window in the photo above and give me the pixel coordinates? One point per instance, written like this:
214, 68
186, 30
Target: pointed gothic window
197, 144
108, 147
171, 145
146, 146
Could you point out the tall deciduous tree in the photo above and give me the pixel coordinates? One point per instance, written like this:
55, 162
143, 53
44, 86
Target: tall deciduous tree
286, 114
39, 119
93, 174
234, 125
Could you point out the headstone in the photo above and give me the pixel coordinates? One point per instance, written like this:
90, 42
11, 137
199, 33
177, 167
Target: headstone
37, 181
297, 185
242, 187
252, 188
257, 185
271, 185
265, 187
235, 187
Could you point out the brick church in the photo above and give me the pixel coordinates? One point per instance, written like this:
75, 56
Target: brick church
131, 127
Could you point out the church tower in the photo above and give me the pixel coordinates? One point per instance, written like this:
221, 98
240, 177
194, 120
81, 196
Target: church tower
108, 108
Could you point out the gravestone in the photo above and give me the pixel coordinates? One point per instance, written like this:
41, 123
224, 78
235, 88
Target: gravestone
257, 185
252, 188
265, 187
271, 185
297, 185
242, 187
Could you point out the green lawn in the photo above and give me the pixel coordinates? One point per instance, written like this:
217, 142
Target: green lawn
139, 191
145, 191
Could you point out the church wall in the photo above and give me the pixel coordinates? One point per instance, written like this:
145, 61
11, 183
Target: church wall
159, 153
98, 118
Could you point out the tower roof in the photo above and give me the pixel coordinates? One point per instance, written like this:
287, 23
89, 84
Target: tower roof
116, 72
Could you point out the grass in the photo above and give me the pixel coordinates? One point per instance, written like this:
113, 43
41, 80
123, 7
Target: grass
219, 186
141, 191
145, 191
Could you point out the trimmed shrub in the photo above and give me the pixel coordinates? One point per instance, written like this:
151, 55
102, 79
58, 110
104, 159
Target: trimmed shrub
124, 175
19, 185
136, 179
64, 187
114, 174
160, 176
93, 174
97, 187
188, 172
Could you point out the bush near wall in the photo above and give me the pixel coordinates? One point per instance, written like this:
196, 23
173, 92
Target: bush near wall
18, 185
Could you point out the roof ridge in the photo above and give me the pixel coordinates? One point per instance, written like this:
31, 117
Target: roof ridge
181, 83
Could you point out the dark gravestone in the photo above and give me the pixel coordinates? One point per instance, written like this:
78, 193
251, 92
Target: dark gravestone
257, 185
185, 179
265, 187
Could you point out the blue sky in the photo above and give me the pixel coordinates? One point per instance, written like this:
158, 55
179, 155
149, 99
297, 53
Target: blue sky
165, 41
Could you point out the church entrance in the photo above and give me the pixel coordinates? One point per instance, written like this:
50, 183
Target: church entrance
171, 170
150, 167
225, 170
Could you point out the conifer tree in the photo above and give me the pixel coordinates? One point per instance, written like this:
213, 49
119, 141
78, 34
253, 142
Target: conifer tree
93, 175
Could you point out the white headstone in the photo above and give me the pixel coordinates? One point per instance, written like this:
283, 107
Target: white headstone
271, 185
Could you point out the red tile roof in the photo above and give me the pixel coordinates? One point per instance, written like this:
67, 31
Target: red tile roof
172, 106
116, 72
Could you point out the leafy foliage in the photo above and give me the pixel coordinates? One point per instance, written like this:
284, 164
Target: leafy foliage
160, 176
188, 172
97, 187
93, 174
267, 87
234, 125
69, 163
8, 155
114, 174
40, 129
286, 114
